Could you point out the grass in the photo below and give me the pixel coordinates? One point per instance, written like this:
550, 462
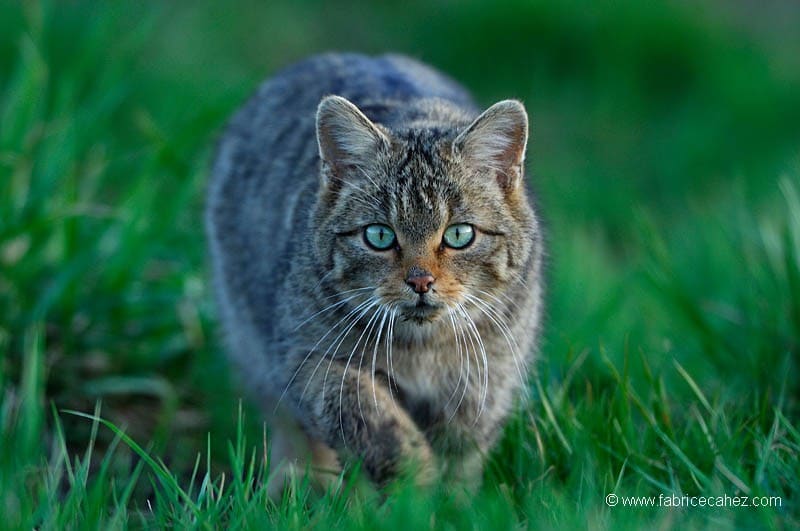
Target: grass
665, 155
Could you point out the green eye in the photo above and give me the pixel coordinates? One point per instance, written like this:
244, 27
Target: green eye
379, 237
459, 235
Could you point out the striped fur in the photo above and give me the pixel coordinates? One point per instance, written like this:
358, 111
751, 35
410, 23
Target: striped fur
346, 360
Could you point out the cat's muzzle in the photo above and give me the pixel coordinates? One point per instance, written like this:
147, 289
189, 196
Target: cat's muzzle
422, 310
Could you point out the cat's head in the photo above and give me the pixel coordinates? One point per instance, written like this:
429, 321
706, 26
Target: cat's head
428, 221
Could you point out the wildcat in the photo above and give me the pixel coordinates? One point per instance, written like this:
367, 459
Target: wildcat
377, 265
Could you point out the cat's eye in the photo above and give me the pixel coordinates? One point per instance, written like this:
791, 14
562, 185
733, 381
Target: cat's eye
459, 235
379, 237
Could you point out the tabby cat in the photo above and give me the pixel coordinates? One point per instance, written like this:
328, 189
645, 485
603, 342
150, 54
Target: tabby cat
377, 264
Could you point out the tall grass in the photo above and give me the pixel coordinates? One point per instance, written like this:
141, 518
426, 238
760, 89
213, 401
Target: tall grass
671, 360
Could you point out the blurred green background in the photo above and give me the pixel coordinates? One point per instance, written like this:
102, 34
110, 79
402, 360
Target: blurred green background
664, 153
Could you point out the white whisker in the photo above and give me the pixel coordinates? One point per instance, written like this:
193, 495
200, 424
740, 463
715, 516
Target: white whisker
338, 344
368, 330
466, 382
367, 327
375, 354
369, 178
519, 278
505, 305
460, 360
326, 309
366, 198
311, 351
499, 321
485, 380
345, 292
389, 360
364, 201
321, 280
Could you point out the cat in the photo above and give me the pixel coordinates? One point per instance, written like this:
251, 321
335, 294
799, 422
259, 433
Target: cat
377, 266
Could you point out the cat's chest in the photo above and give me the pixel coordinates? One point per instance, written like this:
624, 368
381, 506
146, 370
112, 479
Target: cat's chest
438, 400
424, 378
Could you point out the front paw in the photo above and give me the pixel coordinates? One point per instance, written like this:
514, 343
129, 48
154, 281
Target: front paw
419, 464
396, 449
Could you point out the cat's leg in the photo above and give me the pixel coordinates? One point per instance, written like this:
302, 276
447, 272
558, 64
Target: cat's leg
348, 411
466, 470
474, 429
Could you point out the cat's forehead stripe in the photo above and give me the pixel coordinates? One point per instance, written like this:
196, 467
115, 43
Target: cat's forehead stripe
420, 185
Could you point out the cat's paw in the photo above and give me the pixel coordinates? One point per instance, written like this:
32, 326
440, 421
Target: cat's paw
420, 464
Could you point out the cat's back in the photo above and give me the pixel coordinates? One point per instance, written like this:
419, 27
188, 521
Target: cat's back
278, 121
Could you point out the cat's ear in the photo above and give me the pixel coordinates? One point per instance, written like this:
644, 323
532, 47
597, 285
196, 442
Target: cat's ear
346, 137
496, 140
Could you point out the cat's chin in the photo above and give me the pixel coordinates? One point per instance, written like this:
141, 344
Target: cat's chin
417, 325
421, 313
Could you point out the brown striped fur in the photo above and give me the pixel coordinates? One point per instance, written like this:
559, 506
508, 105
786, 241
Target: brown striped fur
345, 358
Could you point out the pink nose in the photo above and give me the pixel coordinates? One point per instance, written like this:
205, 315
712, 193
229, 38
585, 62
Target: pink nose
420, 280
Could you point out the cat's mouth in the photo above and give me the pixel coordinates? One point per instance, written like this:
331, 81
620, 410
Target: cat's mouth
421, 312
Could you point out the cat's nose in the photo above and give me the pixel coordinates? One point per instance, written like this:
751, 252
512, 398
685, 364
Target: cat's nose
420, 280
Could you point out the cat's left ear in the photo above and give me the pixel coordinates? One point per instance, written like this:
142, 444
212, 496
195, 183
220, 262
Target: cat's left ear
496, 140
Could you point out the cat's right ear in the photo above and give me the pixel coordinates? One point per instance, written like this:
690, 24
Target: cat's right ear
347, 138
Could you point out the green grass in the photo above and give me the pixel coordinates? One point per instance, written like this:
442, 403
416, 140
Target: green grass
665, 152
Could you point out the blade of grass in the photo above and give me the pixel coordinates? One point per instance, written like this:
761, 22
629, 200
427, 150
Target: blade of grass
159, 469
